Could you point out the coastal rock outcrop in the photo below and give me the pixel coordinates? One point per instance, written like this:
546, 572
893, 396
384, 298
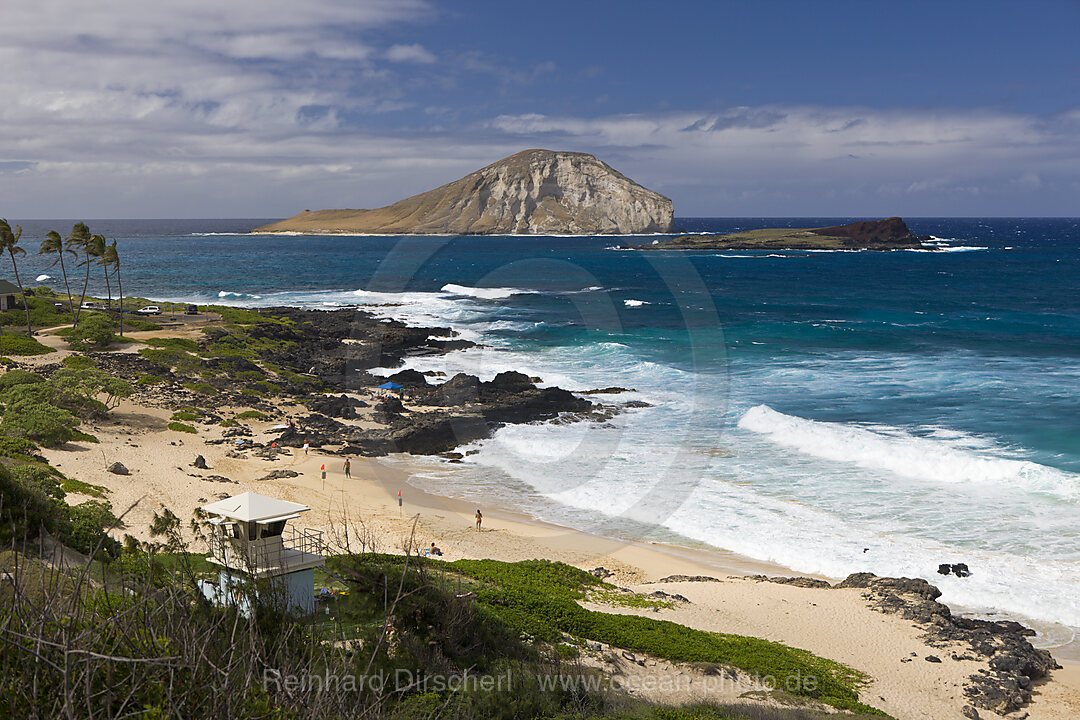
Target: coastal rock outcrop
888, 234
1013, 664
534, 192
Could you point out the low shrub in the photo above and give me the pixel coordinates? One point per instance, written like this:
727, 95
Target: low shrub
181, 343
38, 422
139, 325
95, 329
201, 388
181, 427
78, 361
150, 380
22, 345
16, 447
18, 376
252, 415
89, 520
185, 415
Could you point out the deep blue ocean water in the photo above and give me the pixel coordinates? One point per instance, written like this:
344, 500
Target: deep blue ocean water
807, 406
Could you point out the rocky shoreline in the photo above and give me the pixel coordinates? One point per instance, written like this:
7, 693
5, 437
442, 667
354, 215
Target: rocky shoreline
1013, 664
318, 363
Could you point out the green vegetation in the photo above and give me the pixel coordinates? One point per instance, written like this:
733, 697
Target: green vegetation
541, 599
150, 380
18, 344
34, 500
252, 415
201, 388
186, 415
94, 331
43, 312
140, 325
47, 412
181, 427
72, 485
9, 240
179, 343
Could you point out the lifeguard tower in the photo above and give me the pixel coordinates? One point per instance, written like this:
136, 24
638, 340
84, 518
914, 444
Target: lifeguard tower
251, 540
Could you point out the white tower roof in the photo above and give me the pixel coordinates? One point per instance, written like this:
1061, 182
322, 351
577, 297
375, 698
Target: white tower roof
249, 506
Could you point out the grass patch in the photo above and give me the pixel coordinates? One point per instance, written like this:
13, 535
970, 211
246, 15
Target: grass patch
150, 380
181, 427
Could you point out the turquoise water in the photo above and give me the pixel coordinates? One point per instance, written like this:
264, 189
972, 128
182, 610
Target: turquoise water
832, 412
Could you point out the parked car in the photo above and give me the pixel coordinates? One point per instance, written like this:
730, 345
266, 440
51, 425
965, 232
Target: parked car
191, 310
59, 305
149, 310
90, 306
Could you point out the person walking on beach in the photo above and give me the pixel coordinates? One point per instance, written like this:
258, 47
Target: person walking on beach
305, 446
479, 518
348, 468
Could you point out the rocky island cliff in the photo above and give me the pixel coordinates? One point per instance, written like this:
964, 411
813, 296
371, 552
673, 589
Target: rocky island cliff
888, 234
534, 192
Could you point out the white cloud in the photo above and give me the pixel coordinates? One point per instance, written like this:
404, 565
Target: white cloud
409, 54
263, 107
711, 161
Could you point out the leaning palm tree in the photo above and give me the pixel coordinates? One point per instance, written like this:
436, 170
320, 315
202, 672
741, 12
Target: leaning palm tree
100, 260
92, 250
53, 243
9, 240
111, 258
77, 242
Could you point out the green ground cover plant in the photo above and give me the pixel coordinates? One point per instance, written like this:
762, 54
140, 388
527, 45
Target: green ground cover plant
22, 345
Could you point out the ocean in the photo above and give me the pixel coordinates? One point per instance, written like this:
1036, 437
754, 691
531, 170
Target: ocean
832, 412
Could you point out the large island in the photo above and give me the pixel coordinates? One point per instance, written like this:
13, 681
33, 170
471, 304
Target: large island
534, 192
888, 234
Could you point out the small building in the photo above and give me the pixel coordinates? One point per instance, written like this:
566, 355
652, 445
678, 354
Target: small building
260, 554
9, 296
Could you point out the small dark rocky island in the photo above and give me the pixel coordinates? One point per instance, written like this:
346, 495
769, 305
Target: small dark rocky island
888, 234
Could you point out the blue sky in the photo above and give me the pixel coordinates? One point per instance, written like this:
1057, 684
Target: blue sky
261, 108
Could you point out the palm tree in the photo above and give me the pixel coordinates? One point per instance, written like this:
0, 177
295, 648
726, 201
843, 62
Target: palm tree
111, 257
53, 243
100, 260
92, 249
76, 242
10, 241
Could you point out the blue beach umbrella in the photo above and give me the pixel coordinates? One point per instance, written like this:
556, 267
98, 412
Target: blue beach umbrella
390, 386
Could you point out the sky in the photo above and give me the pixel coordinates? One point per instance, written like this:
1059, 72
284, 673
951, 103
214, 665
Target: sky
263, 108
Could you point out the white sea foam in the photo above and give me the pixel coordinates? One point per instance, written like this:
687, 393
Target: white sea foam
43, 278
903, 454
237, 295
635, 303
495, 293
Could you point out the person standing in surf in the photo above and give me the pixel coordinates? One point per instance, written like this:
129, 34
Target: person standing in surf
348, 468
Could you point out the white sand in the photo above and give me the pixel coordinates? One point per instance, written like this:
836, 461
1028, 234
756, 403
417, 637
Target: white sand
835, 624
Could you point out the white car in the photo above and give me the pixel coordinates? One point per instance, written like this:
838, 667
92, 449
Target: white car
90, 306
149, 310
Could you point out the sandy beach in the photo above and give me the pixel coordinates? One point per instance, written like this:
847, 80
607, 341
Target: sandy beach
362, 512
